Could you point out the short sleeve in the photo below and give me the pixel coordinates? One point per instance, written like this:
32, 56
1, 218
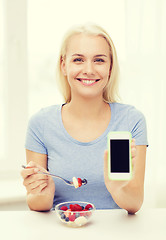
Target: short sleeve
137, 126
35, 134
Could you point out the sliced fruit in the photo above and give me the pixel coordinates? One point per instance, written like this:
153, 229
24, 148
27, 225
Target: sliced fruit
67, 213
80, 221
75, 182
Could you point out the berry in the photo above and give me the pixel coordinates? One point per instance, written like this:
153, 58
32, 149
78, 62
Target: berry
63, 216
79, 182
78, 207
67, 212
72, 207
88, 206
64, 208
72, 218
67, 219
84, 181
75, 207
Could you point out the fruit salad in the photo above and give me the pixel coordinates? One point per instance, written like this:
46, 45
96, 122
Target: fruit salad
74, 214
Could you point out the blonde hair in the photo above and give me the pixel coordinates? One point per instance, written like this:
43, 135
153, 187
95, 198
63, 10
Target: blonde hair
110, 93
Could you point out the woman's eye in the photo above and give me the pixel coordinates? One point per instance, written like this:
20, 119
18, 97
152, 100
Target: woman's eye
78, 60
99, 60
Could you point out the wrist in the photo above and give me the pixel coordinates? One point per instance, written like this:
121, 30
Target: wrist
40, 202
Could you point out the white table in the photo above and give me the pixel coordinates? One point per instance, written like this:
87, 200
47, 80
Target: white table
105, 224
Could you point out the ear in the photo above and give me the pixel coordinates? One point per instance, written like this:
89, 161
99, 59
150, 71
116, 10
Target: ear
63, 66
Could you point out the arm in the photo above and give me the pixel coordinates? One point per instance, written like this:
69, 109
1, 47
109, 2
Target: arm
40, 187
129, 194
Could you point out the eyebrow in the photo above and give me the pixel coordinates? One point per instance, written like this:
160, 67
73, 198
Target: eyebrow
81, 55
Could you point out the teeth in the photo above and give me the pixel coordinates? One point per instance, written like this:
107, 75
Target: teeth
88, 81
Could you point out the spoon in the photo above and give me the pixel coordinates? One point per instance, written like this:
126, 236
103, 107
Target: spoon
84, 181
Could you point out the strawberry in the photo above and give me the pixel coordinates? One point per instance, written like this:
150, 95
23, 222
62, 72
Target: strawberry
78, 207
64, 208
79, 182
72, 207
75, 207
88, 206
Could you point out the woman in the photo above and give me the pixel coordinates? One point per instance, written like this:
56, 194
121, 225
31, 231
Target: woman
71, 139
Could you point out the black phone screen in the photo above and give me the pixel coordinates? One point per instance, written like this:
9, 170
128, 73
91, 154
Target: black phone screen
120, 162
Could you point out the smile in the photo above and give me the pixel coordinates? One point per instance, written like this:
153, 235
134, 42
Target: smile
88, 82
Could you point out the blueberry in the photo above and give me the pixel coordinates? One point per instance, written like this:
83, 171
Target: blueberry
84, 181
67, 219
63, 216
82, 207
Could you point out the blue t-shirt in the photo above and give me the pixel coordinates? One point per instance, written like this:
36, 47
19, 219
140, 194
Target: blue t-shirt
68, 157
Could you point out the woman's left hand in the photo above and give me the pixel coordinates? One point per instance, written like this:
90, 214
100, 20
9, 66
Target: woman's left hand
129, 194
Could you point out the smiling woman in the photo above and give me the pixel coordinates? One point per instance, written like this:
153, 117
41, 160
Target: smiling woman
63, 140
28, 82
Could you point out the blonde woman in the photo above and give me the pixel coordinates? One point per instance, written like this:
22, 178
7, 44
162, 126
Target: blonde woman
71, 139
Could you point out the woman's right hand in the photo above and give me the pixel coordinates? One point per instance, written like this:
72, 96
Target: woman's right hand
37, 183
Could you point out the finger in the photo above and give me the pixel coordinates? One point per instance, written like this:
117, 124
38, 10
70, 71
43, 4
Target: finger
133, 152
36, 184
28, 171
133, 142
38, 189
105, 154
106, 164
33, 178
32, 164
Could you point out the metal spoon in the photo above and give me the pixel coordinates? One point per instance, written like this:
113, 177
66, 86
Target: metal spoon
84, 181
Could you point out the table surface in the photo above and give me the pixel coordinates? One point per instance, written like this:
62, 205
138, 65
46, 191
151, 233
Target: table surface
113, 224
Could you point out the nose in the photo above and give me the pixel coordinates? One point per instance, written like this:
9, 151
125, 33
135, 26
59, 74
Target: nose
88, 68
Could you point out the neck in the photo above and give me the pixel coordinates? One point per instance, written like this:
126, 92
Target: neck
87, 108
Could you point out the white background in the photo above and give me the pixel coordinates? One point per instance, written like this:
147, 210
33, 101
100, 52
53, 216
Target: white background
30, 38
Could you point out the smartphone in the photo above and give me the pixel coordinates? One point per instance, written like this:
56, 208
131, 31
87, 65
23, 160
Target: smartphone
119, 155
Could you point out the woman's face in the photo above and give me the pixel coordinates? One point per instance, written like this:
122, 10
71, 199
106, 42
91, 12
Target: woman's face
87, 65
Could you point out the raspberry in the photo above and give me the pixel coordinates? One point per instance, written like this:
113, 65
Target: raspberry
72, 217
